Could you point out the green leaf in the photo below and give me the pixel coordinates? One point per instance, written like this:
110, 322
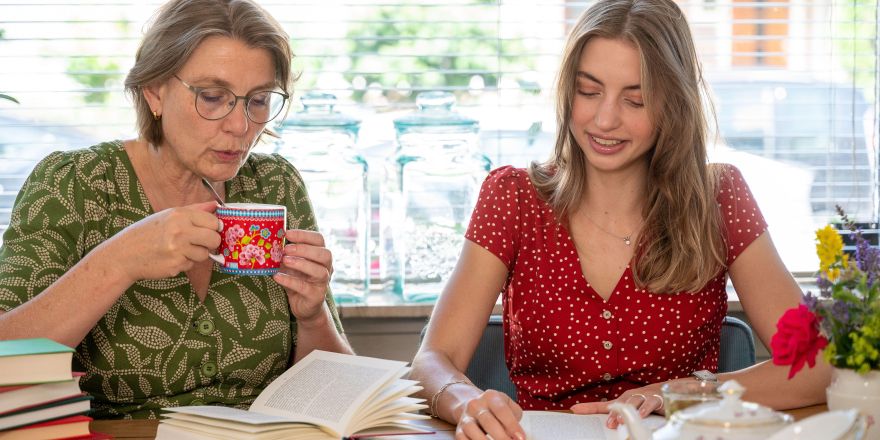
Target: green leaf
8, 98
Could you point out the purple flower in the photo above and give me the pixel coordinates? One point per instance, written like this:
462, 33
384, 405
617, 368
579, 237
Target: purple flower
840, 311
868, 259
824, 287
810, 301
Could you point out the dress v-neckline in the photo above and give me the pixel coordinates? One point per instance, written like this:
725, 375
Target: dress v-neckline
587, 285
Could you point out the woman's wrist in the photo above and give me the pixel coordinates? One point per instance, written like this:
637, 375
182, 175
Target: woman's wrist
318, 320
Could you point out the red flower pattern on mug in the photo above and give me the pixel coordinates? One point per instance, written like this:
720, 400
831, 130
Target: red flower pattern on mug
797, 340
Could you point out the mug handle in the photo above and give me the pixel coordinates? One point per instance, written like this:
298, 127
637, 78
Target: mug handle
218, 258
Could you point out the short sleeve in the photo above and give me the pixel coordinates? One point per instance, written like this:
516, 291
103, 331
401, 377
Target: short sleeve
495, 222
301, 215
743, 221
46, 224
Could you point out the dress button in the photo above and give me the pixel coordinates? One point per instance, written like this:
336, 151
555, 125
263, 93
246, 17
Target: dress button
606, 376
197, 402
606, 314
607, 345
205, 327
209, 369
604, 399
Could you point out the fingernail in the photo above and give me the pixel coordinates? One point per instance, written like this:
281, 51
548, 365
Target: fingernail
519, 436
610, 422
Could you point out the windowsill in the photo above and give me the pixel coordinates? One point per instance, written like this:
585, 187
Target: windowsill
388, 306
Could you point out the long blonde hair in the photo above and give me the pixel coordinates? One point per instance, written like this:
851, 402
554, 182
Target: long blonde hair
682, 245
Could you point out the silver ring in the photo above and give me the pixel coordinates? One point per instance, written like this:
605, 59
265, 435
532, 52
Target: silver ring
481, 412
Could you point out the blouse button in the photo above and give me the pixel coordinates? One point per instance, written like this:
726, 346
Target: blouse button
606, 314
604, 399
209, 369
205, 327
607, 345
606, 376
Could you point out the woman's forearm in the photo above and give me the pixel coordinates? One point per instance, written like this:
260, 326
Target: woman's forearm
71, 306
319, 334
769, 385
435, 372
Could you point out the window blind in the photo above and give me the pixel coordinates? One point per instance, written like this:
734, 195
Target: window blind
794, 84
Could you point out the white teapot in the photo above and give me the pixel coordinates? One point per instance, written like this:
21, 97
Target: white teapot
729, 419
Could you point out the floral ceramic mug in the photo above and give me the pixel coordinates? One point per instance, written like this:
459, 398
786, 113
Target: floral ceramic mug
252, 238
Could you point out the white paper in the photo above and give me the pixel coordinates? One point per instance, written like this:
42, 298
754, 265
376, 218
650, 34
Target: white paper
545, 425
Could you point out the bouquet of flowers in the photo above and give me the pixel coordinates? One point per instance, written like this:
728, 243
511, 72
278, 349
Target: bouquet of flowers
844, 319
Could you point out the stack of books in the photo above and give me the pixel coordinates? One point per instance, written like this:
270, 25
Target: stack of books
40, 397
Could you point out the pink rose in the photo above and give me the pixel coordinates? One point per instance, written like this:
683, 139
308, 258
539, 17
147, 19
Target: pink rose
797, 340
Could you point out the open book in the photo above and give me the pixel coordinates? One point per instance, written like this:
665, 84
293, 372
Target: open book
323, 396
546, 425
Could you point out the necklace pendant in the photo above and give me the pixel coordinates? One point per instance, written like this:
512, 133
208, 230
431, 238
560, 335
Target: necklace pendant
627, 241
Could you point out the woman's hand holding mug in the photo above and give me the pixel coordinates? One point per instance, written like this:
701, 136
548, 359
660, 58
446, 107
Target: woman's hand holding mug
166, 243
305, 273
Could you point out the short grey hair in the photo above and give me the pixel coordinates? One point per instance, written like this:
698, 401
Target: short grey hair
179, 26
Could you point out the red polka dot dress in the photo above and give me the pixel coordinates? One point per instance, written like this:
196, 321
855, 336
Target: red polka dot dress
563, 343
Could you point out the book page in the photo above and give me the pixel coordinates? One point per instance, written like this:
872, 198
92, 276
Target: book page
546, 425
327, 389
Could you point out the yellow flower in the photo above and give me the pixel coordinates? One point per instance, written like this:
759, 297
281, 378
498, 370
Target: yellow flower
829, 248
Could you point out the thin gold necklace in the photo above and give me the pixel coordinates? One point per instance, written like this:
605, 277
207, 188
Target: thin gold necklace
627, 239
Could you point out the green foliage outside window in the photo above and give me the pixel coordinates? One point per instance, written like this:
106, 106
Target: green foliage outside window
857, 44
401, 48
96, 75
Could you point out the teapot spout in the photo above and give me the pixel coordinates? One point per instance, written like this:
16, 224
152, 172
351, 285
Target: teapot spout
637, 429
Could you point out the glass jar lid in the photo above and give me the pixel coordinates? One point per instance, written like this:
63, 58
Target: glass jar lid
318, 113
435, 110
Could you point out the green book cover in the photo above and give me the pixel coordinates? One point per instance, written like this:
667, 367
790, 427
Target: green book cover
22, 347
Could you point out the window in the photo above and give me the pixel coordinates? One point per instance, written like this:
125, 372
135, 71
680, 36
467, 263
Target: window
794, 82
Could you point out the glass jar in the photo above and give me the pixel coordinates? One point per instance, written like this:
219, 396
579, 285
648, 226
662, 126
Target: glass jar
320, 143
431, 186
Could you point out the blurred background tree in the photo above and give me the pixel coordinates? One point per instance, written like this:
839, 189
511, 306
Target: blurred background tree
402, 50
96, 75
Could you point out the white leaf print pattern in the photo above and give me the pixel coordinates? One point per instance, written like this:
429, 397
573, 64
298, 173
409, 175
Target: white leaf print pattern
151, 337
156, 305
146, 388
180, 368
237, 354
133, 354
272, 328
227, 312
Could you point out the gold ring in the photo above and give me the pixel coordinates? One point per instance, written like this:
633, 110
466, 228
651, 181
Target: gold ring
644, 399
660, 398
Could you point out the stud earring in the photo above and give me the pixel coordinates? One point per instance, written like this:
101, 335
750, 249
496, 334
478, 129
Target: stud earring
155, 116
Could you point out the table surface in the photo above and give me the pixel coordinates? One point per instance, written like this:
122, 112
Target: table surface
146, 429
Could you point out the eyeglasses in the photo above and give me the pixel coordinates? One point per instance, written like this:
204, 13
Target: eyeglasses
213, 103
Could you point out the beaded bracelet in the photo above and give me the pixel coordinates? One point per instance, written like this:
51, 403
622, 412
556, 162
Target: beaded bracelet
432, 406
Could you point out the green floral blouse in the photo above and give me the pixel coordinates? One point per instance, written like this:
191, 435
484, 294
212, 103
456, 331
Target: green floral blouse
157, 346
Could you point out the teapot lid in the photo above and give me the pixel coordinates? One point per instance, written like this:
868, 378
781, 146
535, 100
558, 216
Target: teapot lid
318, 112
732, 412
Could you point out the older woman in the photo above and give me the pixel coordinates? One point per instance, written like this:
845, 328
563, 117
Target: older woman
108, 246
